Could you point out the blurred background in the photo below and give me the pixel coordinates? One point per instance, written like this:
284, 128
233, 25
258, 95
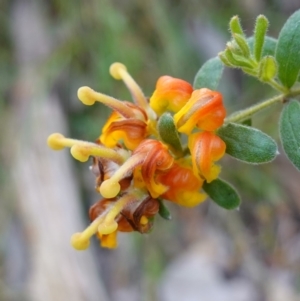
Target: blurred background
51, 48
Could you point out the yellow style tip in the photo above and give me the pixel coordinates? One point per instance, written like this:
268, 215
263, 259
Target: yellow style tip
109, 189
55, 141
115, 69
79, 243
79, 153
107, 227
85, 95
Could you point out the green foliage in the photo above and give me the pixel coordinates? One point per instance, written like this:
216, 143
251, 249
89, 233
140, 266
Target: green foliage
168, 132
267, 68
288, 51
271, 61
260, 30
269, 45
247, 122
290, 131
248, 144
235, 25
222, 194
163, 210
243, 44
209, 74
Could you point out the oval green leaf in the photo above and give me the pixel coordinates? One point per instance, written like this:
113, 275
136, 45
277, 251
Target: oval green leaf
290, 131
267, 68
247, 122
260, 30
269, 45
209, 74
288, 51
168, 133
222, 194
248, 144
163, 210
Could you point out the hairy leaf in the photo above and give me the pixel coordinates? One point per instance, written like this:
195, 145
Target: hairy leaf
222, 194
163, 210
248, 144
290, 131
209, 74
269, 45
288, 51
168, 132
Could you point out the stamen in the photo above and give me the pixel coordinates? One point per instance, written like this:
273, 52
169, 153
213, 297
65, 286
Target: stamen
81, 150
109, 224
119, 71
84, 151
81, 240
111, 187
88, 96
58, 141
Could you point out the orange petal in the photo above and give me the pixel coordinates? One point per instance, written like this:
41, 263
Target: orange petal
157, 158
206, 148
132, 132
204, 109
109, 240
171, 94
183, 185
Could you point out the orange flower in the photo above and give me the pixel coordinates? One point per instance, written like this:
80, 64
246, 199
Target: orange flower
150, 157
156, 159
183, 185
129, 130
171, 94
206, 148
133, 171
204, 109
103, 169
134, 216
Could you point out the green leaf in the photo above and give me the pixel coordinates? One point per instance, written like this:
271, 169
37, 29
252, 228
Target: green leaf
288, 51
260, 30
163, 210
209, 74
247, 122
267, 68
269, 45
168, 133
290, 131
224, 60
248, 144
235, 59
222, 194
235, 26
242, 43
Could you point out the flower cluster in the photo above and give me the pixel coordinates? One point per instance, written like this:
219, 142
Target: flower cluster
139, 161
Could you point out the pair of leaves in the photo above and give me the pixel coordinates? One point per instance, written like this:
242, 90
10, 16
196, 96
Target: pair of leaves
253, 146
246, 144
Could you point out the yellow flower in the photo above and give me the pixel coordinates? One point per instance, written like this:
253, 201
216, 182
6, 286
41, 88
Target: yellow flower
171, 94
130, 131
130, 212
204, 110
184, 186
133, 164
206, 148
